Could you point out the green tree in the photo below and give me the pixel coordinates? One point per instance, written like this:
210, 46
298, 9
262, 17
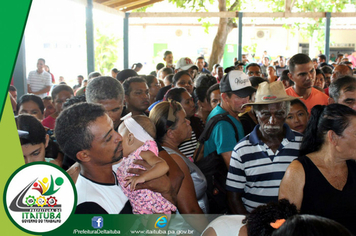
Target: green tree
314, 25
106, 52
226, 25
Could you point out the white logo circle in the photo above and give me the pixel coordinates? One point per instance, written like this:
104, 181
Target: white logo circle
39, 197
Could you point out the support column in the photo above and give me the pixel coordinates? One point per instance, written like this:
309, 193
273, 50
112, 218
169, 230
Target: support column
327, 36
239, 46
90, 37
19, 74
126, 40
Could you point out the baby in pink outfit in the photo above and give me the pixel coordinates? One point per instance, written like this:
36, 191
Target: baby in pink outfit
138, 143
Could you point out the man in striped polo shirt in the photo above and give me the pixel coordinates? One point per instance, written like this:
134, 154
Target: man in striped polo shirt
259, 161
39, 81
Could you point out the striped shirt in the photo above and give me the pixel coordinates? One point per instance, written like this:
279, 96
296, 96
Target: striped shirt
188, 147
256, 171
38, 81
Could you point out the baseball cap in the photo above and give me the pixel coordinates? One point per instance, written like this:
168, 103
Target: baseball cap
185, 63
237, 82
228, 69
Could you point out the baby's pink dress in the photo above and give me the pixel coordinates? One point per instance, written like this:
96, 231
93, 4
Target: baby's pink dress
143, 201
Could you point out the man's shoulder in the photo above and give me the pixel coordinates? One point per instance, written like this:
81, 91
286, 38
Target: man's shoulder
319, 94
110, 197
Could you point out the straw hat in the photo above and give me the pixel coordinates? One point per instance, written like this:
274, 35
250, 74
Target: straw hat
268, 93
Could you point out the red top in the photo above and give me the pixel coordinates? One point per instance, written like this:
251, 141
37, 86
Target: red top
316, 98
49, 122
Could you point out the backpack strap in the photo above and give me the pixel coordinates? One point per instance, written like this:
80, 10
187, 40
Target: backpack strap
209, 129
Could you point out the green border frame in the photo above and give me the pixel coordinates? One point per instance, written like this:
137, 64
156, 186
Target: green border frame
31, 164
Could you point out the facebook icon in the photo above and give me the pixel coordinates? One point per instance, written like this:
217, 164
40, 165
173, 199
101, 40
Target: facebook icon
97, 222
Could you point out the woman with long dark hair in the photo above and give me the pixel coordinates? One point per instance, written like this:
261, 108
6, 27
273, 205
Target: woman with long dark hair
322, 181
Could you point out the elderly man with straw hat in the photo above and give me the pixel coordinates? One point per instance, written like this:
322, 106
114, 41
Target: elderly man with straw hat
259, 160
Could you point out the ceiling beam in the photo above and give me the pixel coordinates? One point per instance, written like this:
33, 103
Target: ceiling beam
246, 14
141, 5
131, 4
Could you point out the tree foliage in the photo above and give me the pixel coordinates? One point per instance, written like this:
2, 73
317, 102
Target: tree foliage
306, 30
314, 27
106, 52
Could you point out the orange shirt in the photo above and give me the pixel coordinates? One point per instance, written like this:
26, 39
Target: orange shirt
316, 98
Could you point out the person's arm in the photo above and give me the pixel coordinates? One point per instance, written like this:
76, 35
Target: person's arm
29, 90
158, 168
175, 174
235, 203
44, 90
13, 103
161, 184
226, 156
292, 184
74, 171
209, 232
187, 200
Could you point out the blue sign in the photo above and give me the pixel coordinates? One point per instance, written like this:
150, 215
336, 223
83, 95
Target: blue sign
97, 222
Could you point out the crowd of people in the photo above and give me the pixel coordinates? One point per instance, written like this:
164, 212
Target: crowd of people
270, 144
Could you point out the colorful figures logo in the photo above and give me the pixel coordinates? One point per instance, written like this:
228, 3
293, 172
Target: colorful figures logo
45, 200
45, 188
43, 203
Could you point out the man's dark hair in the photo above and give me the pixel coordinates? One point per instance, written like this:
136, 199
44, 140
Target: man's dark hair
326, 70
166, 53
314, 60
167, 70
347, 83
115, 70
59, 88
74, 100
159, 66
202, 84
210, 90
12, 88
31, 97
252, 64
322, 57
80, 76
72, 127
104, 88
41, 59
200, 58
93, 75
127, 83
125, 74
36, 131
298, 59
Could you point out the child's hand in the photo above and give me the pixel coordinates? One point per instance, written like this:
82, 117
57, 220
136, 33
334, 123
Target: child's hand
134, 180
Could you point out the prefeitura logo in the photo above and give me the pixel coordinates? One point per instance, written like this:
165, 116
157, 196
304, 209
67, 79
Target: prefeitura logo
39, 197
